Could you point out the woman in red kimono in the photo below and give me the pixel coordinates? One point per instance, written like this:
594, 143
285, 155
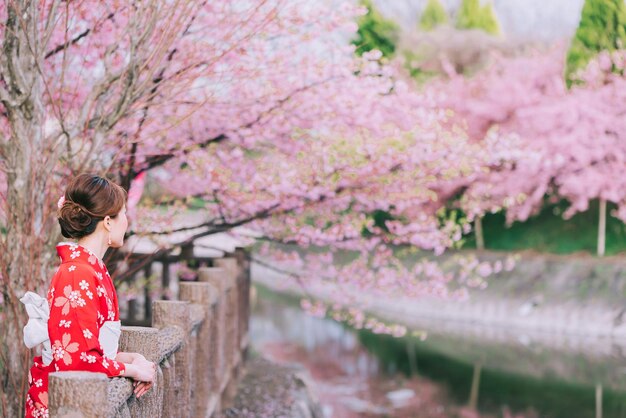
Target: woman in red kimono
78, 324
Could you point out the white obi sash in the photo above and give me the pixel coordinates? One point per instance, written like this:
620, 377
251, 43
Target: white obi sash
109, 338
36, 330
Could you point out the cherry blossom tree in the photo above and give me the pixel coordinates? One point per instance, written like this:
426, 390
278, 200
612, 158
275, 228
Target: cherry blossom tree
563, 142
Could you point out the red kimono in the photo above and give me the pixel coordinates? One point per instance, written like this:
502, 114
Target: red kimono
83, 324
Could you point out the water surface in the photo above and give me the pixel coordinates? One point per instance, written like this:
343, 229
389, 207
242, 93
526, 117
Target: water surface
361, 374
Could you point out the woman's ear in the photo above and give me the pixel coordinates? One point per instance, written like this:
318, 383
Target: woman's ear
107, 223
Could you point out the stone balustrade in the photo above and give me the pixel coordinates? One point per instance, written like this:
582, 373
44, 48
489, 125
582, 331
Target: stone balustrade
199, 343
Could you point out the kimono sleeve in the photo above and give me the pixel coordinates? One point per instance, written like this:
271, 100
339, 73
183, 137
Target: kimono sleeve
77, 311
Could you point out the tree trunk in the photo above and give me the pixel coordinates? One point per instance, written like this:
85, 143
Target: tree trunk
26, 254
478, 231
602, 228
475, 389
598, 400
29, 158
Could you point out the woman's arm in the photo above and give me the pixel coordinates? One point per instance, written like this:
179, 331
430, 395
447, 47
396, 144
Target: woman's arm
128, 357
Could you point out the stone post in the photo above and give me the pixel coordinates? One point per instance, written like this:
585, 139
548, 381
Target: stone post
77, 394
243, 261
165, 279
215, 276
229, 264
145, 341
177, 375
231, 345
205, 295
147, 305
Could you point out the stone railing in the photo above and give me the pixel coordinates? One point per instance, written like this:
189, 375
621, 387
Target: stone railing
199, 343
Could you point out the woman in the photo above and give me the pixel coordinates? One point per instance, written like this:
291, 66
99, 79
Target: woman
79, 324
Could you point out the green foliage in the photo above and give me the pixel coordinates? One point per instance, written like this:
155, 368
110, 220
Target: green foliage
434, 15
413, 61
379, 217
473, 15
602, 27
451, 219
549, 232
376, 32
549, 396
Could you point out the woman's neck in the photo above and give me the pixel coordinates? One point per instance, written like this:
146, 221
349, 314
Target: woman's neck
94, 244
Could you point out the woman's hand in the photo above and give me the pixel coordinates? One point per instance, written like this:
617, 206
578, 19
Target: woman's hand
143, 371
141, 388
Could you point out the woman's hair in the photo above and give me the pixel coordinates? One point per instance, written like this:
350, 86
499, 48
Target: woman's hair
88, 200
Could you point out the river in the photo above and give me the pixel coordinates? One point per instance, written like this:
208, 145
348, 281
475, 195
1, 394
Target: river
447, 375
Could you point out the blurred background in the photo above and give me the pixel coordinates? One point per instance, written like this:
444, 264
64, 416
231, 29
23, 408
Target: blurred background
541, 339
431, 194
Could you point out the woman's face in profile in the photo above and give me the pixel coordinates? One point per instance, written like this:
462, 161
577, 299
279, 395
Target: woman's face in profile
119, 225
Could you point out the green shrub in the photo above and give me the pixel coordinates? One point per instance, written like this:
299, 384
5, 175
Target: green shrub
376, 32
602, 27
473, 15
434, 15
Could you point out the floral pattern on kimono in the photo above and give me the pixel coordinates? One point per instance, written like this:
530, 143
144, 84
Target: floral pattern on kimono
81, 298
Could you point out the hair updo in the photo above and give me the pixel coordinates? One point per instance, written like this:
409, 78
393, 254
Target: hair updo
88, 200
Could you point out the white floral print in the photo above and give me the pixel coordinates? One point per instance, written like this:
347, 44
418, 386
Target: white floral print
79, 304
63, 349
71, 299
87, 358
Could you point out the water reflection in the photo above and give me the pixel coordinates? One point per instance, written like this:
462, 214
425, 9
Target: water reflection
359, 374
350, 380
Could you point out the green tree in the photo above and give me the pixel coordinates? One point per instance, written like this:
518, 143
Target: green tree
376, 32
602, 27
473, 15
434, 15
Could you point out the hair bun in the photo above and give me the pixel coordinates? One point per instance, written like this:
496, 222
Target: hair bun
74, 220
87, 200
